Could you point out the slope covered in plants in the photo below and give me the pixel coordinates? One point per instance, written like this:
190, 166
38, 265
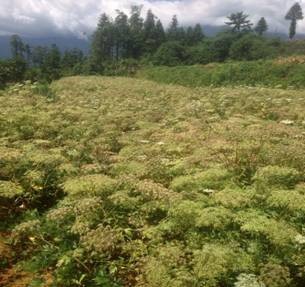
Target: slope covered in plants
126, 182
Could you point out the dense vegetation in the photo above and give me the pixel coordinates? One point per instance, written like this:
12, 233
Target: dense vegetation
126, 182
288, 72
108, 181
121, 45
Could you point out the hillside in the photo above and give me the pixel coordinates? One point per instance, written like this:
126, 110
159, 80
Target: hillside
128, 182
282, 72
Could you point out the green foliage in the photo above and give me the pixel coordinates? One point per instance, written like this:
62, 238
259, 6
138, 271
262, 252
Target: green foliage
239, 22
45, 91
275, 275
170, 54
275, 176
11, 71
254, 73
250, 48
125, 182
261, 26
294, 14
248, 280
211, 179
9, 189
100, 185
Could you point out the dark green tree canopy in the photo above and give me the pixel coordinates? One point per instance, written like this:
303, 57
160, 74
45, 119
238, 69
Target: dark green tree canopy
239, 22
17, 46
294, 14
261, 27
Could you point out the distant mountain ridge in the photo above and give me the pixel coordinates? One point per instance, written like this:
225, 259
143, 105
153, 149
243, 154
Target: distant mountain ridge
63, 43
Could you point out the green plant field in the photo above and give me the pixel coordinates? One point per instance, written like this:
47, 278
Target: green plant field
283, 73
128, 182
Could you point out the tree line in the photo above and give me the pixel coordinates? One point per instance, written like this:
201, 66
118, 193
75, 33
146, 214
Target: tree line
126, 40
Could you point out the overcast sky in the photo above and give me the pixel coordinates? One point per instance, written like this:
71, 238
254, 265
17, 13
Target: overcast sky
45, 17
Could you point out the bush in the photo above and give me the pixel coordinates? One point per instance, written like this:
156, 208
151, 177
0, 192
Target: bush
94, 185
202, 53
250, 47
170, 54
11, 71
211, 179
276, 176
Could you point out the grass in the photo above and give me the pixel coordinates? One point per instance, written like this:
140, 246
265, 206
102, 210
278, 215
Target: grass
128, 182
281, 73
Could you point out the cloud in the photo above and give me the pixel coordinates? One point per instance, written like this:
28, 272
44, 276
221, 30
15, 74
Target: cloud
41, 17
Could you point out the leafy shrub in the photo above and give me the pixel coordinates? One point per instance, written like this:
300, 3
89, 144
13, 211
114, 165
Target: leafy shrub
212, 264
11, 71
214, 218
45, 91
275, 275
275, 176
211, 179
279, 233
26, 232
9, 190
93, 184
170, 54
250, 48
235, 198
102, 241
288, 200
248, 280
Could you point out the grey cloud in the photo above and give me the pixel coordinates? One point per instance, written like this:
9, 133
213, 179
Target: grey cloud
40, 17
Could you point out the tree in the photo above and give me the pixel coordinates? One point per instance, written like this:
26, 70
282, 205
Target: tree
39, 54
17, 47
261, 27
51, 68
239, 22
150, 43
102, 43
197, 34
221, 45
122, 36
194, 35
174, 32
294, 14
250, 47
136, 24
160, 33
71, 58
28, 53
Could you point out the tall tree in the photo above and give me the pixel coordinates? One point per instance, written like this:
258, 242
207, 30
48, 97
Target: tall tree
173, 29
28, 53
71, 58
150, 43
122, 35
239, 22
261, 26
102, 42
136, 31
39, 54
51, 68
160, 33
198, 33
17, 47
194, 35
294, 14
